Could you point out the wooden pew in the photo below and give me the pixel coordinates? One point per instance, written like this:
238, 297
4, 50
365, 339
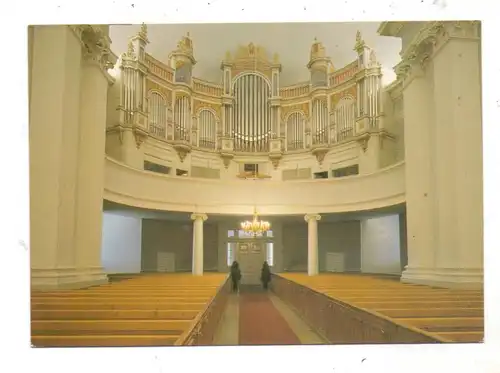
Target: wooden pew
451, 315
153, 310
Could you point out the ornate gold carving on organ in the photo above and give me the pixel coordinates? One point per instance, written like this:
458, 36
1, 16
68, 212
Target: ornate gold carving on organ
152, 86
252, 113
199, 105
251, 58
335, 98
304, 108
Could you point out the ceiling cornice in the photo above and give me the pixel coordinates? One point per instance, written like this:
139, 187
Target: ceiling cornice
391, 28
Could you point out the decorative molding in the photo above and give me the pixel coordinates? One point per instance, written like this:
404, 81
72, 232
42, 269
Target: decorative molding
275, 159
430, 39
118, 130
320, 152
312, 217
226, 158
384, 135
182, 148
152, 86
199, 216
290, 109
96, 46
203, 105
390, 28
363, 141
348, 92
140, 136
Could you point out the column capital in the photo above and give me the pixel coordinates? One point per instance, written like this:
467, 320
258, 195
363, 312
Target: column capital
96, 48
199, 216
312, 217
414, 65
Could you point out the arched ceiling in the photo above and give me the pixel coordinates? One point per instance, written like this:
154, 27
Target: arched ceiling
292, 41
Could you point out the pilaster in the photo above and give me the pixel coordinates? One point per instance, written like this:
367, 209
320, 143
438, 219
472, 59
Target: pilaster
442, 94
96, 59
417, 76
458, 147
54, 117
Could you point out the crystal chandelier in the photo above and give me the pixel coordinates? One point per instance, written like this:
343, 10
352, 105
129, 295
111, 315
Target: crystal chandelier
256, 227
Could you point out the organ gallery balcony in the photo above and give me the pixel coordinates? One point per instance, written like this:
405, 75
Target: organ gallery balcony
248, 112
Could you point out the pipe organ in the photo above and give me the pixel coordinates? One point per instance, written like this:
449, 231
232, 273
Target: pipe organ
249, 112
252, 113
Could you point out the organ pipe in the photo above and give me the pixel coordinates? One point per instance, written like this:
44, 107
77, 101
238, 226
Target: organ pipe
344, 119
157, 115
207, 130
182, 116
295, 131
129, 87
251, 118
320, 122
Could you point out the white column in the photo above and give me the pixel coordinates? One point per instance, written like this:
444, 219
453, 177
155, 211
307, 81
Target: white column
198, 242
419, 160
458, 147
312, 243
93, 98
54, 108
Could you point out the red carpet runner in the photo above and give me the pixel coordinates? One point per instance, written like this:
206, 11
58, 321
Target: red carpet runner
261, 323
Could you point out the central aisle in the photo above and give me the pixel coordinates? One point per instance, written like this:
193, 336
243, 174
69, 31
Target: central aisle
255, 317
261, 324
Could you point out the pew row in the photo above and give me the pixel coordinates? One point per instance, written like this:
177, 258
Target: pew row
370, 309
152, 310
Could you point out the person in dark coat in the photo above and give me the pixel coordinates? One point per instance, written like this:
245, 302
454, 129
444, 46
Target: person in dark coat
235, 276
265, 275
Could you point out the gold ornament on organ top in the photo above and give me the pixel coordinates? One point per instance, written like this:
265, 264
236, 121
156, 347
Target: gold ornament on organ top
256, 227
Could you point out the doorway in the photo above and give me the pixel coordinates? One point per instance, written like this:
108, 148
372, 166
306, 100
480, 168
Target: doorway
250, 252
250, 256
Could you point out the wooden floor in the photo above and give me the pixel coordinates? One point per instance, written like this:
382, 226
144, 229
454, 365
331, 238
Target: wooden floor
452, 315
150, 310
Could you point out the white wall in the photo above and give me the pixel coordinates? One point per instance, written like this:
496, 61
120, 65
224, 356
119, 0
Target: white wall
380, 245
121, 243
333, 237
